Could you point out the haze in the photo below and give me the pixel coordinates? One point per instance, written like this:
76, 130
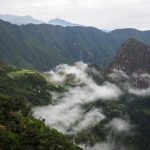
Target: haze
104, 14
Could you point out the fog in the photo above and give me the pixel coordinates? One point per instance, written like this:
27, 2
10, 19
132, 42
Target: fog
118, 75
140, 92
131, 83
101, 146
68, 111
119, 125
67, 114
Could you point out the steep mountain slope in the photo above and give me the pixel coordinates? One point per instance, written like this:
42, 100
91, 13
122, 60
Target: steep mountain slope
119, 36
97, 113
45, 46
61, 22
19, 20
19, 91
134, 56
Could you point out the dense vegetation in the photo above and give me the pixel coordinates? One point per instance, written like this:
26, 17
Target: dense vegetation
132, 58
43, 46
19, 90
131, 108
34, 47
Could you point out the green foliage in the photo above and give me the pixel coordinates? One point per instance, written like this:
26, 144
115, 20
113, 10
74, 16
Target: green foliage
30, 85
44, 46
20, 73
129, 107
18, 129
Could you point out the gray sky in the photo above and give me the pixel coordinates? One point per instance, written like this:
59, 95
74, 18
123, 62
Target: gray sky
104, 14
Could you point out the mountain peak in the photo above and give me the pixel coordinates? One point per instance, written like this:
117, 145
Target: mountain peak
133, 57
61, 22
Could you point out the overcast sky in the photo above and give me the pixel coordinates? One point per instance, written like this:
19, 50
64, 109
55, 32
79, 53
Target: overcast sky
104, 14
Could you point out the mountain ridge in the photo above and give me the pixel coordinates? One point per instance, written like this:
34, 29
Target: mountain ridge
44, 46
20, 20
61, 22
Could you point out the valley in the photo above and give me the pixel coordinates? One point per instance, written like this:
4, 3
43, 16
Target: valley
73, 88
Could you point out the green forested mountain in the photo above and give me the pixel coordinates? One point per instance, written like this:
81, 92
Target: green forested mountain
19, 91
44, 46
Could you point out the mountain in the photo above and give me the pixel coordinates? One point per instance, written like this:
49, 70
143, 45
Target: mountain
61, 22
44, 46
119, 36
134, 56
19, 20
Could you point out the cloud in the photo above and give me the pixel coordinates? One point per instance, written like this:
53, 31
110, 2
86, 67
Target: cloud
67, 114
105, 14
119, 125
140, 85
101, 146
90, 119
139, 92
117, 75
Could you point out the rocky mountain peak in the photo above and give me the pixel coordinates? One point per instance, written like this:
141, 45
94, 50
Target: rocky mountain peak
133, 56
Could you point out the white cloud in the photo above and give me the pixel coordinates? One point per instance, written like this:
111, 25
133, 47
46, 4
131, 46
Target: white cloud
140, 92
119, 125
101, 146
117, 75
105, 14
67, 114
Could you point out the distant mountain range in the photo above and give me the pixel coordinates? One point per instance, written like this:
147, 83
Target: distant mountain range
61, 22
20, 20
23, 20
44, 46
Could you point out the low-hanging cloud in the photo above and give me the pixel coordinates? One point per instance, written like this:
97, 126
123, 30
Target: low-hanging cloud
119, 125
140, 92
67, 114
141, 79
102, 146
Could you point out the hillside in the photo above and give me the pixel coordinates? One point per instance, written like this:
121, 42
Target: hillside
98, 113
44, 46
20, 90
